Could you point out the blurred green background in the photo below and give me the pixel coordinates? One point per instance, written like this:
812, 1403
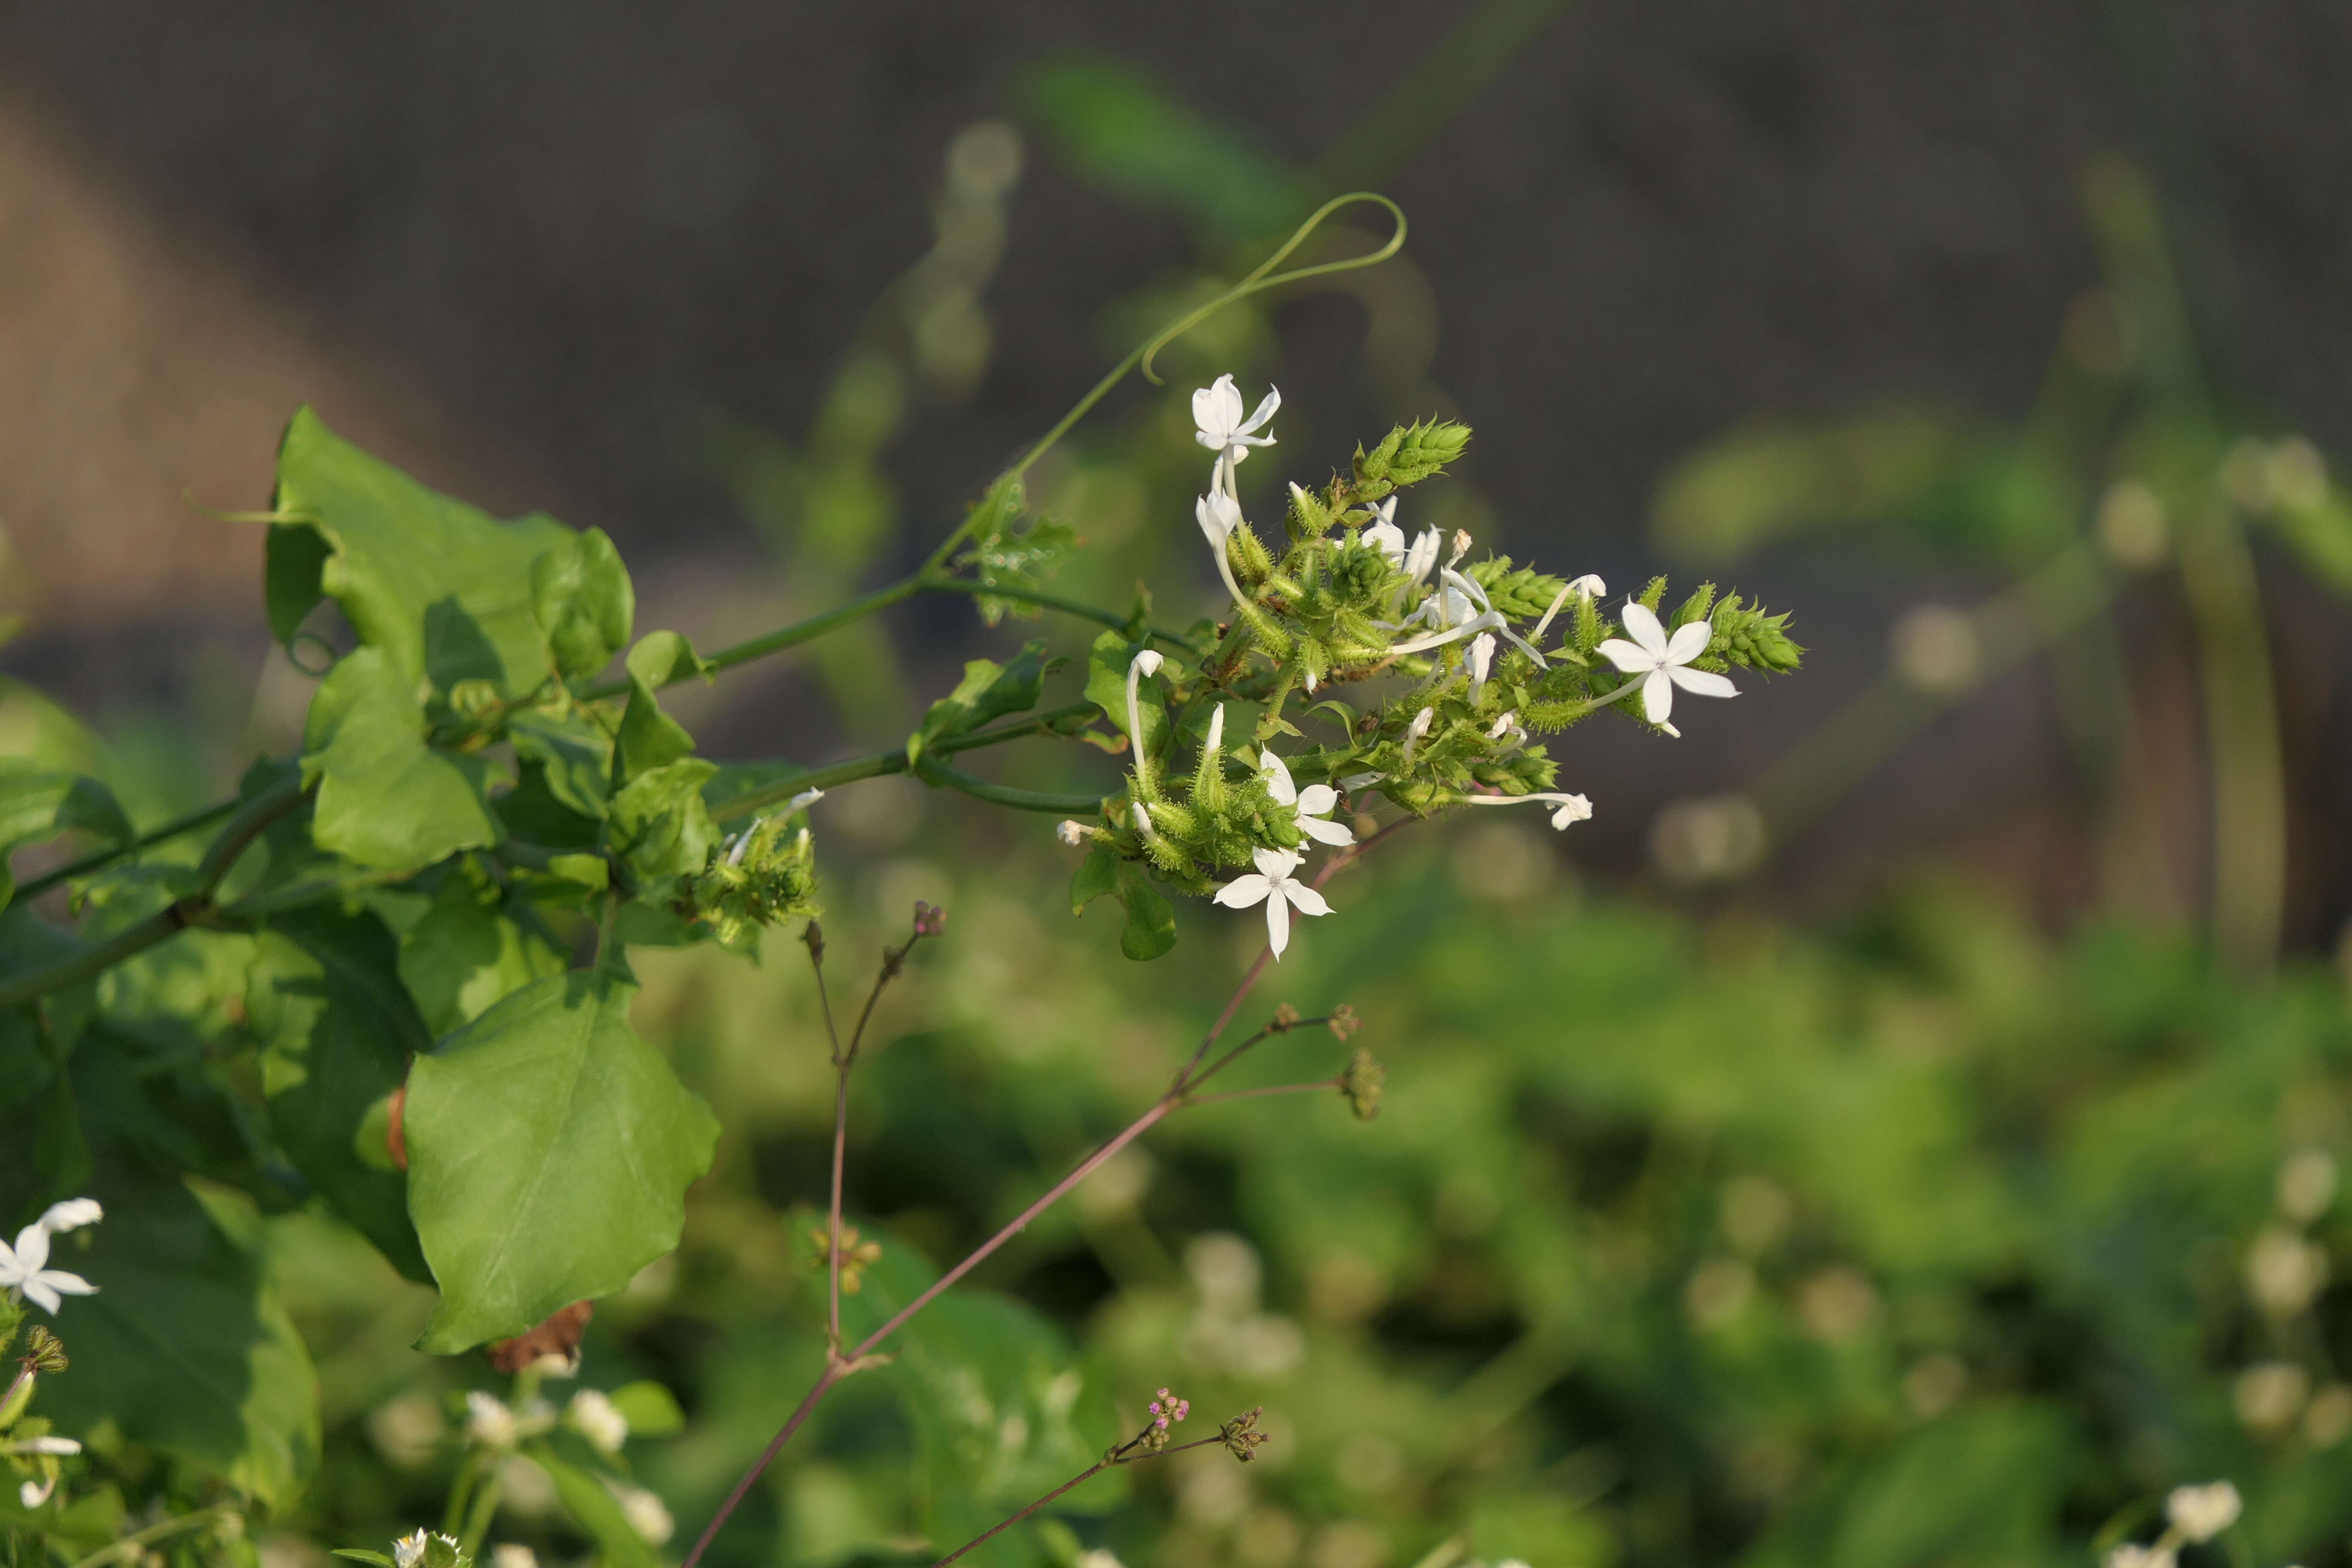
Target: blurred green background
1901, 1129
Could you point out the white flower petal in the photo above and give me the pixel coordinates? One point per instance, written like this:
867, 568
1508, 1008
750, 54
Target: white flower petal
1277, 925
1275, 863
1572, 808
1641, 624
1308, 901
57, 1447
1324, 831
1632, 660
1216, 409
1658, 696
37, 1290
1148, 662
71, 1284
1266, 411
1316, 800
70, 1215
1689, 642
1702, 683
1243, 890
1278, 779
32, 1248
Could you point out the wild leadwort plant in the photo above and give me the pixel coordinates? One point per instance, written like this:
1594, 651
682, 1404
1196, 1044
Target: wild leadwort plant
400, 937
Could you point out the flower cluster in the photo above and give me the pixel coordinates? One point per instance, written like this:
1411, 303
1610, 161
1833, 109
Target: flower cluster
2193, 1516
1473, 657
765, 874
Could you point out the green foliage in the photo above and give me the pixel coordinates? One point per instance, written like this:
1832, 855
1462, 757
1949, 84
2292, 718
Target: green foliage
549, 1149
39, 803
387, 798
1000, 556
987, 690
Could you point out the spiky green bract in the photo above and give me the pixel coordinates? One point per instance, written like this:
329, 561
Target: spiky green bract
1406, 456
1523, 594
774, 880
1747, 636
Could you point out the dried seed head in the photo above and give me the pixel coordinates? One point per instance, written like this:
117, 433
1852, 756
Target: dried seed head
1284, 1017
1344, 1021
1242, 1435
1359, 1086
43, 1352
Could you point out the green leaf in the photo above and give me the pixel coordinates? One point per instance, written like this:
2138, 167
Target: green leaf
650, 1409
336, 1027
184, 1347
39, 803
1150, 928
590, 1502
444, 589
356, 1556
660, 826
37, 1116
386, 799
650, 738
575, 752
550, 1150
583, 600
1097, 875
464, 954
987, 690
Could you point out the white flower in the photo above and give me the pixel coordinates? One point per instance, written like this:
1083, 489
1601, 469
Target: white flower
33, 1494
1572, 807
1664, 662
488, 1421
645, 1513
1216, 730
513, 1555
56, 1448
1414, 730
1273, 883
1146, 662
1482, 661
2131, 1554
1382, 534
1071, 831
1423, 555
1219, 514
2201, 1513
598, 1419
1508, 728
409, 1549
1589, 587
1217, 410
70, 1215
1309, 807
22, 1269
1460, 608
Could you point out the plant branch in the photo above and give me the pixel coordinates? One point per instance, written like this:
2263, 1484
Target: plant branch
99, 858
252, 819
1117, 1456
134, 1544
1319, 1086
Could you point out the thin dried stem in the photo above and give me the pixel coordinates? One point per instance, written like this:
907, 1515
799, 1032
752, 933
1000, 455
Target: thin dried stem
1122, 1454
1317, 1087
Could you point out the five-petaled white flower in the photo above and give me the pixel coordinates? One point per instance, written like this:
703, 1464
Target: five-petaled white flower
2201, 1513
1309, 807
1219, 514
24, 1268
1664, 662
1217, 410
1272, 884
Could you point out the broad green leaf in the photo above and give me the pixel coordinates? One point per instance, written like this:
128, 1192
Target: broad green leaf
1097, 875
39, 803
466, 954
386, 799
531, 811
550, 1150
358, 1555
575, 752
584, 601
987, 690
650, 738
660, 826
443, 588
184, 1347
336, 1027
1150, 928
592, 1503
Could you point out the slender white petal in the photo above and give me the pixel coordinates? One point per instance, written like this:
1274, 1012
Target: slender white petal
1316, 800
55, 1448
1216, 409
1216, 729
70, 1215
1278, 924
1243, 890
1641, 624
1278, 779
1142, 819
1626, 657
1218, 515
1423, 555
1482, 660
1306, 900
1658, 696
1325, 831
1276, 864
1689, 642
32, 1248
40, 1289
1702, 683
1384, 535
1360, 781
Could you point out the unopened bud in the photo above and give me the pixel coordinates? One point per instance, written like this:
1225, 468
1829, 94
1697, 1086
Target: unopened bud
1360, 1085
930, 918
1285, 1016
1071, 832
1344, 1021
814, 934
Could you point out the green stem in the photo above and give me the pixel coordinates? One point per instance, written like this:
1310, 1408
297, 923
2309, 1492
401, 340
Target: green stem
1118, 622
99, 858
2242, 737
1006, 794
879, 764
251, 820
132, 1545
